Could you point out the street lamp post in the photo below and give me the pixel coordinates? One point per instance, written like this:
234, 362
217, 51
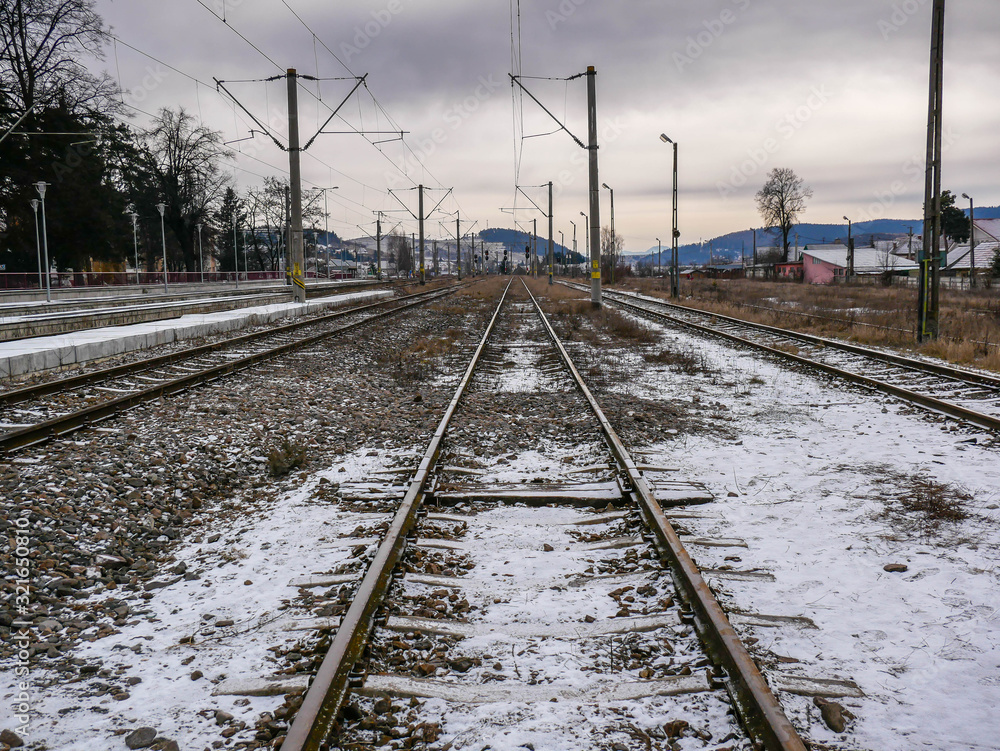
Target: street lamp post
236, 253
850, 250
135, 240
586, 232
614, 243
659, 256
162, 208
675, 279
562, 244
38, 240
40, 187
972, 241
201, 254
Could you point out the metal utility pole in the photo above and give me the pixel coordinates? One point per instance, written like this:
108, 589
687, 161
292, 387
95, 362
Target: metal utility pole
534, 248
595, 183
659, 256
135, 242
850, 251
236, 253
909, 251
41, 187
972, 241
614, 238
201, 254
420, 216
378, 245
551, 257
928, 308
295, 180
675, 274
458, 244
434, 256
755, 252
161, 207
286, 257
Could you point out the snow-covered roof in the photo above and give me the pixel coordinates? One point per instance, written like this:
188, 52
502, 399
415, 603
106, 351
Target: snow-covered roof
987, 230
960, 258
866, 260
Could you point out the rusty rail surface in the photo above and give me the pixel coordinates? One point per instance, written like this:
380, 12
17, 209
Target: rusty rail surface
758, 708
328, 689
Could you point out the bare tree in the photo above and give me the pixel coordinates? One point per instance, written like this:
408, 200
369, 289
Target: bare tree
184, 161
400, 252
780, 202
611, 248
43, 44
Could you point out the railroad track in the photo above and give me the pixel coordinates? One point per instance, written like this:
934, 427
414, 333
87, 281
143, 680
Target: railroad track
965, 395
54, 408
548, 621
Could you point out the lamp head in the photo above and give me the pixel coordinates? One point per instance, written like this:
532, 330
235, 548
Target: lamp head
34, 204
846, 219
966, 195
161, 207
665, 138
605, 185
583, 215
40, 187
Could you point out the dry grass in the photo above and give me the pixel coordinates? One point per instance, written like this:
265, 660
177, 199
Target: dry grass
687, 362
583, 321
920, 506
285, 458
866, 314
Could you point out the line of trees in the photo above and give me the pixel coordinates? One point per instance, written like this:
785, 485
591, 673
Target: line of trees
62, 125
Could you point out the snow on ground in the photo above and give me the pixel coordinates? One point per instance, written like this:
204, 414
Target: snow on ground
530, 572
806, 485
245, 577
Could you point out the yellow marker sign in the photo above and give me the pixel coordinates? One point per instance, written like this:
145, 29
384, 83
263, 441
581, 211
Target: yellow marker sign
595, 274
298, 270
593, 264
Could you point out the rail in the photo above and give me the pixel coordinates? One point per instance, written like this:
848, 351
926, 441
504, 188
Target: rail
760, 711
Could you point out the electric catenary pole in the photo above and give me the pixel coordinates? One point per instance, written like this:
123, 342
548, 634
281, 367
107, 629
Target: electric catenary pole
594, 180
930, 268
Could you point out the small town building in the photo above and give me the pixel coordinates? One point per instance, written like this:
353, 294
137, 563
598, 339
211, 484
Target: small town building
825, 264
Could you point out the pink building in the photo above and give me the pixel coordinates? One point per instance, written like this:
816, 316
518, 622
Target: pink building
826, 264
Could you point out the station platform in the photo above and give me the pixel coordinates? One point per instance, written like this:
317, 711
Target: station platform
45, 353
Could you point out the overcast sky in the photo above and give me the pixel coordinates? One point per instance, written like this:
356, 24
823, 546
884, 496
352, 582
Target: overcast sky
836, 91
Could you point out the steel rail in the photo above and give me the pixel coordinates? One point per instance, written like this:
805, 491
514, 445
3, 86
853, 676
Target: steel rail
929, 402
758, 708
65, 424
946, 371
328, 689
16, 396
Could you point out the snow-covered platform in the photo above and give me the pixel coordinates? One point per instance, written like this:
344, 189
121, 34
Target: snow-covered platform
53, 352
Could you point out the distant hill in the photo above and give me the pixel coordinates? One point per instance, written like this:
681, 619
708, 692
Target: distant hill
515, 240
731, 245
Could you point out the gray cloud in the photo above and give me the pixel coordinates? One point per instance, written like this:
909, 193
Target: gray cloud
735, 82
